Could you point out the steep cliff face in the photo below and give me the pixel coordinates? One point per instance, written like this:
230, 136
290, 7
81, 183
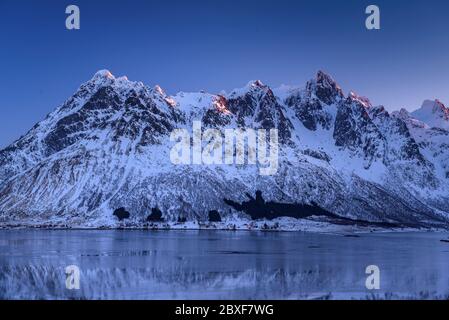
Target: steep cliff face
108, 147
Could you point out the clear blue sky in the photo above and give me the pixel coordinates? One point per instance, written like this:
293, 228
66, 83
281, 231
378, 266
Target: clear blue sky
191, 45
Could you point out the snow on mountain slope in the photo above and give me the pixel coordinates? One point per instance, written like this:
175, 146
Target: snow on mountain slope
433, 113
433, 143
108, 146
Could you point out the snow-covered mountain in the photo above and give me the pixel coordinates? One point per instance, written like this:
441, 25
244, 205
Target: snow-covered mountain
433, 113
108, 147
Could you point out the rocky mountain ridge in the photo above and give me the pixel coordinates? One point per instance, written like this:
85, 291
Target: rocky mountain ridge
108, 146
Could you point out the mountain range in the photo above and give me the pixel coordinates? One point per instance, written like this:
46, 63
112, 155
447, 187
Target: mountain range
108, 147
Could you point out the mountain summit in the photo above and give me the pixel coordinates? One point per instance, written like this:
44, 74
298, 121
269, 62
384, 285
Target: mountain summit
434, 113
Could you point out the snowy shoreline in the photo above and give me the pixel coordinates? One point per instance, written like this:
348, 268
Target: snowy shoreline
283, 224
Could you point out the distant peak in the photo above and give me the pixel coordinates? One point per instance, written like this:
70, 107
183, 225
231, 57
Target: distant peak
403, 114
407, 117
105, 74
363, 100
255, 84
258, 83
324, 87
122, 78
323, 77
379, 109
434, 113
104, 78
434, 106
252, 86
157, 88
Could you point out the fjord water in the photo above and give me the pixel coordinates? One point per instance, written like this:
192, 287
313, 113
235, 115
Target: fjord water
221, 265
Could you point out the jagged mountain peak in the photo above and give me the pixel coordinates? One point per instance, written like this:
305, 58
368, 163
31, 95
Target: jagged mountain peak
256, 83
104, 78
380, 108
434, 113
434, 105
157, 88
378, 112
252, 87
402, 114
103, 74
324, 87
324, 78
364, 101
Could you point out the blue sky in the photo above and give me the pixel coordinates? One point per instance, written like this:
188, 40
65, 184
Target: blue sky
213, 45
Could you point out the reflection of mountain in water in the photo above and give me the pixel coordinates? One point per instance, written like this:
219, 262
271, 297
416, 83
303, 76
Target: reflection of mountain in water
220, 265
48, 282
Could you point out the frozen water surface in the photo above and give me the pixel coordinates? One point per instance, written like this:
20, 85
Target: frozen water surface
221, 265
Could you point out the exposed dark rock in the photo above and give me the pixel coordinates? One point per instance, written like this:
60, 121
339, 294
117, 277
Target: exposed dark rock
355, 131
219, 116
260, 107
259, 209
312, 114
310, 105
214, 216
155, 216
321, 155
326, 89
121, 214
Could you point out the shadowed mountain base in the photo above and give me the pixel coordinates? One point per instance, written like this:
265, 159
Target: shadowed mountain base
258, 208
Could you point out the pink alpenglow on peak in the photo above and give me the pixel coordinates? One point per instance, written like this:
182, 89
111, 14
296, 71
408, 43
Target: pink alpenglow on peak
363, 100
434, 113
159, 90
104, 74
